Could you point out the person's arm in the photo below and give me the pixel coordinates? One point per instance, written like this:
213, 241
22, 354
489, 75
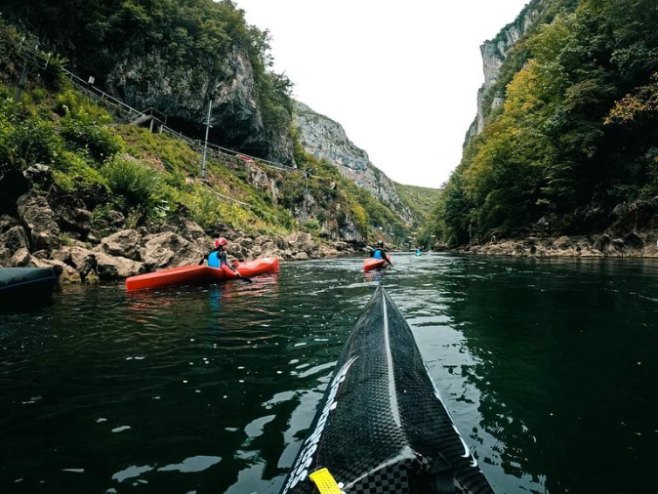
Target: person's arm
388, 259
224, 262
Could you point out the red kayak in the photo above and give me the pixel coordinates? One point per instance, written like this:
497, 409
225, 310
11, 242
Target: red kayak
370, 263
201, 274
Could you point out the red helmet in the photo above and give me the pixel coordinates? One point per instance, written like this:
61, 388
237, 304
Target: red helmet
221, 242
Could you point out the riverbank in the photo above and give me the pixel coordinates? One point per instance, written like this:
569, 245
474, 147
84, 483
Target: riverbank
51, 228
630, 245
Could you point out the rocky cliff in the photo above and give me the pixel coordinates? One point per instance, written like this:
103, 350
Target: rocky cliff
174, 57
326, 139
182, 93
494, 53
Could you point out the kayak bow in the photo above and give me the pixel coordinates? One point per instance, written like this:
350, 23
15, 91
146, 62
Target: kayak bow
382, 427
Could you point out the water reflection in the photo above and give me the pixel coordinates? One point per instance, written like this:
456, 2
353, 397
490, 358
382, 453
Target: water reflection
548, 369
562, 348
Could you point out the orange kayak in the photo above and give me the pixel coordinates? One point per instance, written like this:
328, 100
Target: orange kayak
370, 263
201, 274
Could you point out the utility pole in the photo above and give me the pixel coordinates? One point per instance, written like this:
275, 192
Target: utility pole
23, 77
205, 144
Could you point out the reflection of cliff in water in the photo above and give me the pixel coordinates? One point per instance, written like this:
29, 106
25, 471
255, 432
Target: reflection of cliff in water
566, 366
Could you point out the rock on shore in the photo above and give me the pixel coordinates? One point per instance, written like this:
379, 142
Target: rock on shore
632, 244
51, 229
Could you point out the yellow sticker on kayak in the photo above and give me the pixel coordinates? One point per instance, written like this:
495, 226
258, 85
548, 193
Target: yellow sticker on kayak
325, 482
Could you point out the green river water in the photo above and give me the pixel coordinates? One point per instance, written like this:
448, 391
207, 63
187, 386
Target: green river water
548, 368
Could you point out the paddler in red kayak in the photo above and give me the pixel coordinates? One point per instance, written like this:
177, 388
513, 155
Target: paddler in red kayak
217, 256
378, 252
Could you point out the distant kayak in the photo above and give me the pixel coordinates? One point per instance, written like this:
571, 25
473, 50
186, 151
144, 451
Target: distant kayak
372, 263
201, 274
26, 284
381, 426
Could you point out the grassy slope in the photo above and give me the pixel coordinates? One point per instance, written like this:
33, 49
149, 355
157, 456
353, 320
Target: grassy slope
421, 200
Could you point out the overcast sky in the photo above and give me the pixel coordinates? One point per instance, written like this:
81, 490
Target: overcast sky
400, 77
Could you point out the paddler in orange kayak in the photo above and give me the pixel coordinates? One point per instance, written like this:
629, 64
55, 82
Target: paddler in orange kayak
378, 252
217, 256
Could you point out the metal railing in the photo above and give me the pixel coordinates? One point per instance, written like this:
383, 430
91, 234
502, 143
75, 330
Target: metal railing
127, 114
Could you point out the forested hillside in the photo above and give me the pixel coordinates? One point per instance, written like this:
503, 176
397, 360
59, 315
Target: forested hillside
572, 149
175, 56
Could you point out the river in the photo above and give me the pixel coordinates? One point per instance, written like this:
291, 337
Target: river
548, 369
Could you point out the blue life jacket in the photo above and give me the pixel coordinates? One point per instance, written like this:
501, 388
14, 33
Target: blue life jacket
213, 260
378, 254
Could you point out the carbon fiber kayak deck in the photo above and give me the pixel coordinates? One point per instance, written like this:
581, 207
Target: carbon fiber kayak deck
382, 427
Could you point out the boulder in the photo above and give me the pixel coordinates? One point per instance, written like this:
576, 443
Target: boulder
65, 273
245, 242
299, 238
14, 239
81, 259
37, 216
169, 249
125, 243
601, 243
116, 268
71, 214
633, 240
7, 222
20, 258
107, 222
618, 243
563, 242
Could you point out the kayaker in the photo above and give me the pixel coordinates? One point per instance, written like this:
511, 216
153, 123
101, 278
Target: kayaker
217, 256
378, 252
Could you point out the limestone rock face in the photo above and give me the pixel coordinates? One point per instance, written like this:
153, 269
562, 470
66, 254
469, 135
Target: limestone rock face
182, 93
326, 139
494, 53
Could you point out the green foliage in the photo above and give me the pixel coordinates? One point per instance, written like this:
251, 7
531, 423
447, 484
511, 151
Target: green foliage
136, 183
74, 173
84, 133
151, 176
575, 135
194, 40
34, 141
421, 201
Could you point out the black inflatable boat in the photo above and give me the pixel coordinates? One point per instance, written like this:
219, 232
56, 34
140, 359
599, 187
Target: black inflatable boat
26, 284
382, 427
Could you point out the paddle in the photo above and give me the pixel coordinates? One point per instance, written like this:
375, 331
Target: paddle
245, 279
240, 277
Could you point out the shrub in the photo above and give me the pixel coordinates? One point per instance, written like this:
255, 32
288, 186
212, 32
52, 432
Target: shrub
83, 132
73, 173
34, 141
137, 183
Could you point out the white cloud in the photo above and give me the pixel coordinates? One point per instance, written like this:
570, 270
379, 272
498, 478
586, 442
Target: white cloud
401, 77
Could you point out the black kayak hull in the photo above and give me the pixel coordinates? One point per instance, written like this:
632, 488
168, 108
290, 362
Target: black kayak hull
382, 427
26, 285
